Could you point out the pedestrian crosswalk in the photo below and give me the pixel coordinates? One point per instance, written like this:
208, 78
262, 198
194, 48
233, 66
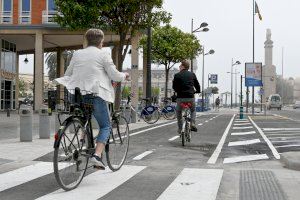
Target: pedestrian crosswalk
190, 183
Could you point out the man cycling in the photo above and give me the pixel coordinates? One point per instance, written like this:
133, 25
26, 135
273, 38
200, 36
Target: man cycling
93, 70
185, 84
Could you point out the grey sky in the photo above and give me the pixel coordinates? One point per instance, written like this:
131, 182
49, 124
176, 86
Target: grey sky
230, 35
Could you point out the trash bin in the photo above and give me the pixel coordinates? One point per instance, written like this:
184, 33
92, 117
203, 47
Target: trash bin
241, 112
44, 123
25, 124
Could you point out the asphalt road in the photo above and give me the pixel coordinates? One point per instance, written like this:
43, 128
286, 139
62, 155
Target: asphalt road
227, 159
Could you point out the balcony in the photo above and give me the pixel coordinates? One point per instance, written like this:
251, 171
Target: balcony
48, 16
6, 17
25, 17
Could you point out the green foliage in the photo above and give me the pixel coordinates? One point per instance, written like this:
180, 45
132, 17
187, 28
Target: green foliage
214, 90
170, 45
22, 88
155, 91
126, 92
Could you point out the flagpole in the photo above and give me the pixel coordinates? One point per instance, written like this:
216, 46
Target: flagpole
253, 56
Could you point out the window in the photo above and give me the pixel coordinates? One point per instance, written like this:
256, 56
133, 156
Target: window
25, 11
7, 5
51, 5
7, 11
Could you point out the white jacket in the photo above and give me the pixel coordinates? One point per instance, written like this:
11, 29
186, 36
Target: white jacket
92, 69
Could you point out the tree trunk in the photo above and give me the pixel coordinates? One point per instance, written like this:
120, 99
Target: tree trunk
166, 84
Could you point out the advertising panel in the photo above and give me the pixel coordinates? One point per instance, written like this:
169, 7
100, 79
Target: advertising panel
253, 74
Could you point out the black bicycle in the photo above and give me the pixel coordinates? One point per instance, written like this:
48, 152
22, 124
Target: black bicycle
186, 134
75, 142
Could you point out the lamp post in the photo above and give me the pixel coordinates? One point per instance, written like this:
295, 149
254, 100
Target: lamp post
235, 94
232, 64
204, 54
201, 28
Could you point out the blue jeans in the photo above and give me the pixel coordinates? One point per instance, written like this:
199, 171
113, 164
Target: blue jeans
101, 113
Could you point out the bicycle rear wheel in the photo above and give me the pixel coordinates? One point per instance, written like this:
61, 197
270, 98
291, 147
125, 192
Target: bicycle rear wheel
118, 144
150, 117
169, 112
70, 158
183, 134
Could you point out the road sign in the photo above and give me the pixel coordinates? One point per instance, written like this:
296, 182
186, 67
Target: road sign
214, 78
253, 75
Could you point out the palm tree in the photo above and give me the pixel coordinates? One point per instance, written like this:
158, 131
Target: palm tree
51, 61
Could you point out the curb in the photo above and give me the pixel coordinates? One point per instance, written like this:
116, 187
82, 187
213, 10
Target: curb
291, 160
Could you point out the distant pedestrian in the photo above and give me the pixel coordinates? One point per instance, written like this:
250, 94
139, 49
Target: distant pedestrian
217, 102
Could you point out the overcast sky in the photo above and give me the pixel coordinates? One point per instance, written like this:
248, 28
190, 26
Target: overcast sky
230, 35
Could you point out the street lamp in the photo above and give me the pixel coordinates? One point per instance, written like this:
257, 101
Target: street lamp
204, 54
235, 73
201, 28
232, 64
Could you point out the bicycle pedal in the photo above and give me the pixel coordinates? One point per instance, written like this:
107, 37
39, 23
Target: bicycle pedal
98, 167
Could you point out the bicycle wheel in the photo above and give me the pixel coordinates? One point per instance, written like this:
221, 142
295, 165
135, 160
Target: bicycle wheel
183, 135
118, 144
70, 158
169, 112
152, 116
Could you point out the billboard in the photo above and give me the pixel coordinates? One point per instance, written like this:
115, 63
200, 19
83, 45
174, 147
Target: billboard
253, 74
214, 78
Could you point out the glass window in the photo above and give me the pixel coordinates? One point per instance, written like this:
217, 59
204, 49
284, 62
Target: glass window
7, 5
2, 104
26, 5
2, 85
51, 5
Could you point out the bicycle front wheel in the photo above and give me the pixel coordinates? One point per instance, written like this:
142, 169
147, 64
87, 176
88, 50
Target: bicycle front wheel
118, 143
70, 159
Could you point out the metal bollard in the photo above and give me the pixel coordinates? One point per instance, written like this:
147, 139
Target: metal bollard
133, 115
25, 124
8, 113
241, 112
44, 124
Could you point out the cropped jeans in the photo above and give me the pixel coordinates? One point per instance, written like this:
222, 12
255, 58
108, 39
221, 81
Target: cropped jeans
101, 113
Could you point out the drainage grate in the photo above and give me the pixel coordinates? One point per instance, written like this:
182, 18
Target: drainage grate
260, 185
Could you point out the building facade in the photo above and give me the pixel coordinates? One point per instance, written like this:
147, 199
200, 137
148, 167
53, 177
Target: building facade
28, 27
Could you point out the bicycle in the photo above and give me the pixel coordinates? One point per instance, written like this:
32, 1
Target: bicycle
168, 111
74, 142
186, 134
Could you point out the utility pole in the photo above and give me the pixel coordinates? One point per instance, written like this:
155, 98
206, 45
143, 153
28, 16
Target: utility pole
148, 84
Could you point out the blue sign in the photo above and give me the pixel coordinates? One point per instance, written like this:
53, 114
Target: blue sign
253, 74
214, 78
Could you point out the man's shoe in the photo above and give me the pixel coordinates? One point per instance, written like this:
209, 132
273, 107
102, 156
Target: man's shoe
194, 128
97, 161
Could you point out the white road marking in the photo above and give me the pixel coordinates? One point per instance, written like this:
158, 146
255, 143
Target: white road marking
96, 185
282, 132
206, 121
284, 141
210, 119
241, 120
290, 145
274, 151
243, 124
245, 142
244, 133
200, 124
246, 127
149, 129
22, 175
174, 138
194, 184
284, 135
215, 155
281, 129
245, 158
139, 157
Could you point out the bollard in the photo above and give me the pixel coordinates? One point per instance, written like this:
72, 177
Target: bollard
26, 124
241, 112
8, 113
133, 115
44, 124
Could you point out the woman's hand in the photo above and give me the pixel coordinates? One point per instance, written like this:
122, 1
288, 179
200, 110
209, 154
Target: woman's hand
127, 76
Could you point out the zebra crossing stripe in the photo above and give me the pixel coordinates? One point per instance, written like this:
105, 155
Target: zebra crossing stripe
174, 138
281, 129
139, 157
25, 174
194, 184
245, 142
243, 124
243, 133
245, 127
245, 158
96, 185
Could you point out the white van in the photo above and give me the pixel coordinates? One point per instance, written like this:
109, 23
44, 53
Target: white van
274, 101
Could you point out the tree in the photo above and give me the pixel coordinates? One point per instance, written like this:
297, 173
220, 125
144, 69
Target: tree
170, 46
125, 17
51, 61
288, 90
22, 88
126, 92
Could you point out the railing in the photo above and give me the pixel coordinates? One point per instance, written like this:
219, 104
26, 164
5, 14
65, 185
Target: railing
6, 17
48, 16
25, 17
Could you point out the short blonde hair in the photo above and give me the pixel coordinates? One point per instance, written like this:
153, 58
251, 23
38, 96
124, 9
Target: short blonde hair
94, 37
185, 64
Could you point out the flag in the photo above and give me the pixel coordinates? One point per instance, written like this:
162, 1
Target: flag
257, 11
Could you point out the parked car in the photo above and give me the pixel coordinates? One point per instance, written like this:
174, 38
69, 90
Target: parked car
274, 101
296, 105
